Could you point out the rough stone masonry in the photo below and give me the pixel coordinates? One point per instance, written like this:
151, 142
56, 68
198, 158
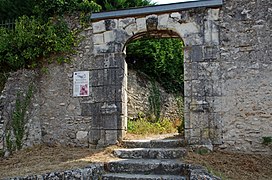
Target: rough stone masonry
228, 80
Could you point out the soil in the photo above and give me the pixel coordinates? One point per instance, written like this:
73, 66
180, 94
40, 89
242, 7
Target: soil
43, 159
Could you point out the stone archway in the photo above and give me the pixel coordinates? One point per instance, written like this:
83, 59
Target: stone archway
199, 31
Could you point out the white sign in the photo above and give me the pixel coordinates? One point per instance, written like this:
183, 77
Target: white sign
81, 83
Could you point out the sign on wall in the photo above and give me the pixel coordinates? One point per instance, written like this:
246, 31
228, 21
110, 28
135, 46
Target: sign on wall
81, 83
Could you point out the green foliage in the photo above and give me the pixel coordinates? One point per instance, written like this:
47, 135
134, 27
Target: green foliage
155, 101
144, 127
161, 59
44, 8
18, 121
40, 31
31, 40
267, 140
202, 151
122, 4
9, 142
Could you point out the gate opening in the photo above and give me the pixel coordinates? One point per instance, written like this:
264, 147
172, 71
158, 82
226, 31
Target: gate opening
155, 87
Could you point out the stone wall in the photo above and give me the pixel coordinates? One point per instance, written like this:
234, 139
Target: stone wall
228, 80
139, 87
246, 65
92, 172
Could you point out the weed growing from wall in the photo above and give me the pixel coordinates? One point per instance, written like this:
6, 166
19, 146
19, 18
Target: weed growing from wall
18, 121
155, 101
267, 140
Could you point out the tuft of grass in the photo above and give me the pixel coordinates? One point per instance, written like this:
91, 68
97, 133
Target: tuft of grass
267, 140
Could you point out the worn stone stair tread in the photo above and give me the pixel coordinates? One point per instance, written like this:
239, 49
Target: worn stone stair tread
148, 166
151, 153
160, 143
121, 176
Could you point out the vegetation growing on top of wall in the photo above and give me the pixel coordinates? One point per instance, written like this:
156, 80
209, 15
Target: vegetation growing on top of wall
40, 31
122, 4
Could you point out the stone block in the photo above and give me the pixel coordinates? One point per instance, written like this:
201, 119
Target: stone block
131, 29
101, 48
123, 23
94, 136
109, 36
175, 15
213, 14
111, 137
96, 78
152, 22
108, 108
90, 109
99, 27
81, 135
121, 36
163, 21
98, 39
196, 54
186, 29
141, 24
111, 24
211, 33
110, 121
110, 76
210, 52
110, 47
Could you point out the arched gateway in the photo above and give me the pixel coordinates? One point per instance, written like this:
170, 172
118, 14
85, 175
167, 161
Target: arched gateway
196, 23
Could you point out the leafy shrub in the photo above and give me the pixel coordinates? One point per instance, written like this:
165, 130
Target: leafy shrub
40, 31
32, 40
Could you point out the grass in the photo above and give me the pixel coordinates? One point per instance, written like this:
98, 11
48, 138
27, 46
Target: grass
144, 127
234, 166
43, 159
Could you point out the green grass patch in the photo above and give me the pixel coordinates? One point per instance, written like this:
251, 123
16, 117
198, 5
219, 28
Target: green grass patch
144, 127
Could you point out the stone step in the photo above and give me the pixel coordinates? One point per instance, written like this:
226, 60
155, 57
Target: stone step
148, 166
123, 176
161, 143
150, 153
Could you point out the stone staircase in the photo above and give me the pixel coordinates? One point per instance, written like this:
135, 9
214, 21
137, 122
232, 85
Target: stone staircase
153, 160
